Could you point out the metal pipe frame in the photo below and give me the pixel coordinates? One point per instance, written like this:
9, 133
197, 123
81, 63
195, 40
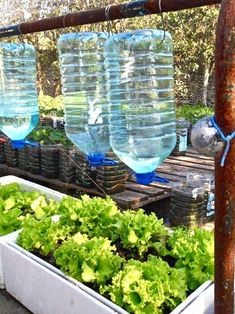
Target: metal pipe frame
224, 113
115, 12
225, 176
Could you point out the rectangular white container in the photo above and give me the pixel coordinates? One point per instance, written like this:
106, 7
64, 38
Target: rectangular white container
44, 289
4, 239
201, 301
25, 186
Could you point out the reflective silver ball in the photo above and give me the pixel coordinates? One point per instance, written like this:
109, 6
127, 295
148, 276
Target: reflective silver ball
205, 138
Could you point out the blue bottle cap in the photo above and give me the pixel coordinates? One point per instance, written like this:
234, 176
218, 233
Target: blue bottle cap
100, 160
149, 177
96, 159
22, 143
18, 143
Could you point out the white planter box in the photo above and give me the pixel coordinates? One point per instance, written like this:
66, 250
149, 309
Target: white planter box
30, 186
25, 186
4, 239
44, 289
201, 301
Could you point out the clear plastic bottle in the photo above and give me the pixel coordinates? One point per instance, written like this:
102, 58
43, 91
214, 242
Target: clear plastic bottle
84, 89
139, 71
19, 112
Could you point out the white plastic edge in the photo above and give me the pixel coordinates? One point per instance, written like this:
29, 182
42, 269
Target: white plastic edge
25, 186
78, 284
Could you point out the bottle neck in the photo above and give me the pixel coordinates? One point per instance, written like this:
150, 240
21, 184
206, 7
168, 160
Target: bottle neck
21, 144
145, 178
18, 143
96, 159
100, 160
149, 177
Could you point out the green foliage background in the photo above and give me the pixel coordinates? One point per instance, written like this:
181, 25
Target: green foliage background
193, 32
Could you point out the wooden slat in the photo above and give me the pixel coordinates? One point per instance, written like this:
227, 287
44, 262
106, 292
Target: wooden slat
53, 183
192, 151
129, 199
192, 160
198, 156
169, 176
134, 204
171, 169
181, 171
194, 154
149, 190
187, 164
165, 186
175, 169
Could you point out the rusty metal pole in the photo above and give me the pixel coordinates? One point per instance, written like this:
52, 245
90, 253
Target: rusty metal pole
115, 12
225, 176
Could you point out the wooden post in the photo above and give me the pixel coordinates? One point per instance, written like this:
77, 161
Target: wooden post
225, 176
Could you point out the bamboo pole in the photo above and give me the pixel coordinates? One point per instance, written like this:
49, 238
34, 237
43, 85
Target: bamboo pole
225, 176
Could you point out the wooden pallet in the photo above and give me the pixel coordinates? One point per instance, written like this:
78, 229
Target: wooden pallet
175, 169
135, 195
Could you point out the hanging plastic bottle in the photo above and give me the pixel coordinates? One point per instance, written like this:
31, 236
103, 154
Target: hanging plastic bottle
19, 112
139, 70
84, 89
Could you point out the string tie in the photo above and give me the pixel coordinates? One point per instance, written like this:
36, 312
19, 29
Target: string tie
226, 139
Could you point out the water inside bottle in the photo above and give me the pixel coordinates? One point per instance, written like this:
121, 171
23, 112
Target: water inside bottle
18, 127
83, 81
19, 112
139, 69
140, 155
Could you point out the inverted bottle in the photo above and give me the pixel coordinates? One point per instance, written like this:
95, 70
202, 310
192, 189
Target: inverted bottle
19, 112
139, 71
84, 90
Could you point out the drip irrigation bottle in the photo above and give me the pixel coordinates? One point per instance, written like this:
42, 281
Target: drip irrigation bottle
84, 90
139, 71
19, 112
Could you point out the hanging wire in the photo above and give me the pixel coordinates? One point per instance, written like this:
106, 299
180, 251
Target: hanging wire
162, 22
22, 42
107, 18
73, 45
109, 26
86, 174
77, 165
64, 20
59, 147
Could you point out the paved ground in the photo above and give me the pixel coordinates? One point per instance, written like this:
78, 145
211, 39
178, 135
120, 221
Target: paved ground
9, 305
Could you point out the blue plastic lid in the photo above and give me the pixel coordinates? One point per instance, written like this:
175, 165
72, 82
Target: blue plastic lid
33, 144
96, 159
149, 177
22, 143
100, 160
18, 143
